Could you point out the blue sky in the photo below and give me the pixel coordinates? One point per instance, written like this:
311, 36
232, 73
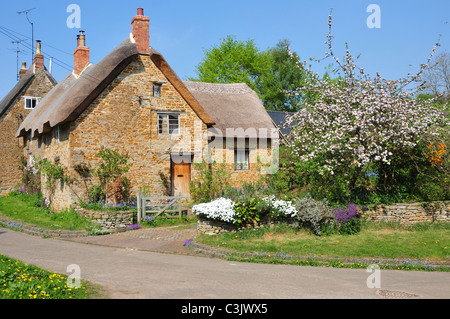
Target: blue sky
181, 30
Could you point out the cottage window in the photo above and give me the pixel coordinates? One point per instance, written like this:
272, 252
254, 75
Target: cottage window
241, 161
31, 102
57, 134
157, 89
169, 124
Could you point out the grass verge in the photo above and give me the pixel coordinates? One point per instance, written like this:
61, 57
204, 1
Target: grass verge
391, 245
19, 280
23, 208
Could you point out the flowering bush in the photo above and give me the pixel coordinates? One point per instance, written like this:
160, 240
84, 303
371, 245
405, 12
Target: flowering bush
347, 220
358, 122
281, 207
244, 213
221, 209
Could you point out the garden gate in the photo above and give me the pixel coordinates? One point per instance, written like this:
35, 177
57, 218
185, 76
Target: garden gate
156, 206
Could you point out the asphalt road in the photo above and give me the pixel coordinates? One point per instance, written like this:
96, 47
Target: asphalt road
134, 274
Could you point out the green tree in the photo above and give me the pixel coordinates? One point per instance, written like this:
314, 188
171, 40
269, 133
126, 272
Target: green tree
233, 61
274, 74
277, 87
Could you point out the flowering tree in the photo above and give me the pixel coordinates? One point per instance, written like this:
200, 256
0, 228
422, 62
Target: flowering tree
355, 120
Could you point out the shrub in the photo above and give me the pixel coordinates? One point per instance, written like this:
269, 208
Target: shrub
348, 220
210, 183
313, 213
280, 208
96, 194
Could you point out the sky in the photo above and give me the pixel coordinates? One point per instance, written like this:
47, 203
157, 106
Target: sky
182, 30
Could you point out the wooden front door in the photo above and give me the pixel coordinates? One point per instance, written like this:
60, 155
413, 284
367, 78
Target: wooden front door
181, 178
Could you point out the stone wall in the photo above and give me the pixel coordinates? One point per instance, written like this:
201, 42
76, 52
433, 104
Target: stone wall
404, 213
107, 220
214, 227
410, 213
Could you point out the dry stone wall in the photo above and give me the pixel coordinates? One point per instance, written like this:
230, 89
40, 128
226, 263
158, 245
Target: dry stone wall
403, 213
107, 220
410, 213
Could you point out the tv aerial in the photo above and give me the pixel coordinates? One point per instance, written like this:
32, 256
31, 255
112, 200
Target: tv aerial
32, 30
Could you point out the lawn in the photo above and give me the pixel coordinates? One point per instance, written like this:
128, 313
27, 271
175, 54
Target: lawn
23, 208
423, 242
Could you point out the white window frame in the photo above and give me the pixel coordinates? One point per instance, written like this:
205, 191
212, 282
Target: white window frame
242, 165
31, 98
57, 134
167, 129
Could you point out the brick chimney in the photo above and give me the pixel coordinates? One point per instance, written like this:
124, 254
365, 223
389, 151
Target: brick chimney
140, 26
23, 70
81, 54
39, 58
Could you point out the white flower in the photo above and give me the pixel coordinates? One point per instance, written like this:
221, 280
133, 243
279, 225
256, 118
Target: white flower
286, 208
219, 209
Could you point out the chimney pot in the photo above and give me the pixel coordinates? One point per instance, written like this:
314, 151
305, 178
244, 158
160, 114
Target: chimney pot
82, 38
39, 58
23, 70
140, 11
38, 46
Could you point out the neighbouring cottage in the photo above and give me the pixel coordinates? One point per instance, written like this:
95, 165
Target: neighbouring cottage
32, 86
133, 101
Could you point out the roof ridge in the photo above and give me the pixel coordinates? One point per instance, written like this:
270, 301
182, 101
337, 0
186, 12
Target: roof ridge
218, 88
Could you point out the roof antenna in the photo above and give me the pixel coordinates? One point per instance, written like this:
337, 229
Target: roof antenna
17, 52
32, 31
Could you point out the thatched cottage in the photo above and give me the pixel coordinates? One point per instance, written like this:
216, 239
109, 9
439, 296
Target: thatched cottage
134, 102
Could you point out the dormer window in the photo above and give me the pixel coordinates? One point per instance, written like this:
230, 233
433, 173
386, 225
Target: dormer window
31, 102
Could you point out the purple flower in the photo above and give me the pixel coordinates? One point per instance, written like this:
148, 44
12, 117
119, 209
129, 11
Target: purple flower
188, 243
134, 226
344, 215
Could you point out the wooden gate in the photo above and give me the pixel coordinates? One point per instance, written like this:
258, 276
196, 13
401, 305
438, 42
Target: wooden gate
156, 206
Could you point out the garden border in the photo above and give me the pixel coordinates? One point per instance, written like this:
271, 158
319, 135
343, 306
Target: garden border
213, 252
39, 231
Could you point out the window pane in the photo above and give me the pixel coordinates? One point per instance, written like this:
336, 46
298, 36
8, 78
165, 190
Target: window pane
157, 90
162, 124
241, 159
173, 124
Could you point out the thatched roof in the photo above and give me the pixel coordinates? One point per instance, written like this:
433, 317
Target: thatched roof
74, 94
20, 86
233, 107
